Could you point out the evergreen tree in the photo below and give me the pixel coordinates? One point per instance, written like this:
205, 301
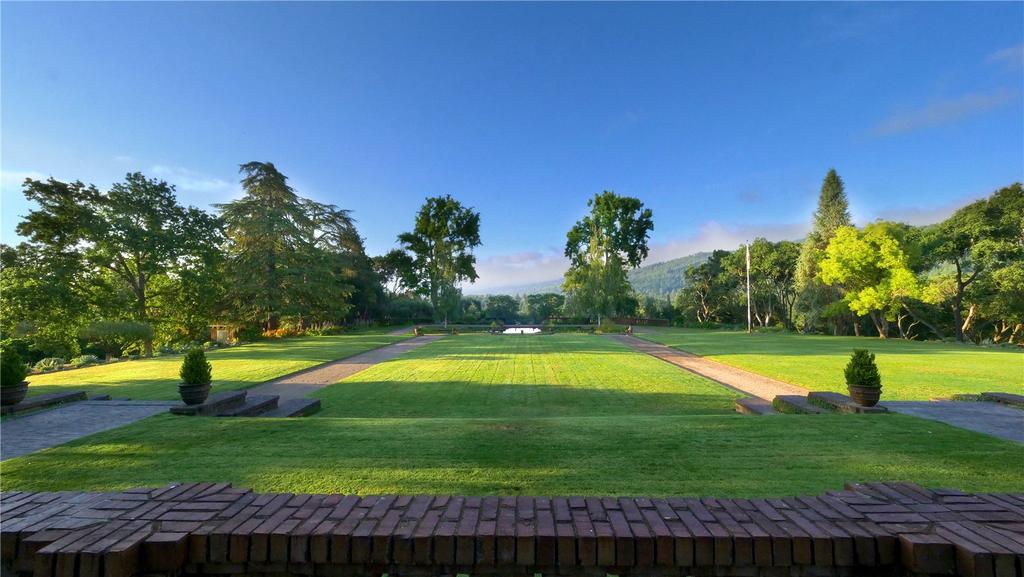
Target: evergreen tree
815, 301
264, 228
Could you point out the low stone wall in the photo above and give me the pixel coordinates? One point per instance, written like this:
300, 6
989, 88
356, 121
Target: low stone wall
215, 529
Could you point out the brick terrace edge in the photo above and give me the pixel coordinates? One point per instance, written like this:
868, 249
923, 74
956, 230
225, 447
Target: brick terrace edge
216, 529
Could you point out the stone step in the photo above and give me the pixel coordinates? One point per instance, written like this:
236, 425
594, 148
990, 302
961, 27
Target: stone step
294, 408
796, 404
254, 405
99, 398
754, 406
43, 401
1004, 398
841, 403
215, 404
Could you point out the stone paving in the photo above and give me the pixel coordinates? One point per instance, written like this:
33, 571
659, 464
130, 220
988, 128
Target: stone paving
984, 417
298, 385
21, 435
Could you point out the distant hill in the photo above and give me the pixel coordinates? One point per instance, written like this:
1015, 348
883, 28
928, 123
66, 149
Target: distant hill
659, 279
664, 278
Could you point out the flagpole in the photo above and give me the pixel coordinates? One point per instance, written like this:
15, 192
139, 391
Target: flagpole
749, 323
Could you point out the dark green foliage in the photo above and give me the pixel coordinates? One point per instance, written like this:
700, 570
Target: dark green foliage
601, 248
195, 370
135, 237
502, 308
12, 369
440, 250
862, 370
832, 213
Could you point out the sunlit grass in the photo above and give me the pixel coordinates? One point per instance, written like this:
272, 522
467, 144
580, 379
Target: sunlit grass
233, 368
524, 376
910, 370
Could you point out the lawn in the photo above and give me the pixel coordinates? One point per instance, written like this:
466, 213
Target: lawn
524, 376
722, 455
233, 368
910, 370
564, 414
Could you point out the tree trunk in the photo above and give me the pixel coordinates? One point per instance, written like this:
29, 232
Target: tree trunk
141, 311
881, 324
923, 321
856, 328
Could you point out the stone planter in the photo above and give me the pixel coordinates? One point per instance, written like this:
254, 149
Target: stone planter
13, 394
865, 396
193, 394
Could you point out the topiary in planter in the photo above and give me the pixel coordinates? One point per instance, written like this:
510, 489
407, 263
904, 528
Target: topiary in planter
13, 387
862, 378
195, 377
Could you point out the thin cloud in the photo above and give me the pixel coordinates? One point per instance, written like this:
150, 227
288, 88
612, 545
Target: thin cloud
521, 268
944, 112
193, 181
11, 180
1012, 57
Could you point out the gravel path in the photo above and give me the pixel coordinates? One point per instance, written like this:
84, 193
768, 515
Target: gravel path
300, 384
24, 434
744, 381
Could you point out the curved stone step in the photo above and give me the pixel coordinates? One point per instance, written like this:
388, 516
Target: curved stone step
796, 404
294, 408
1004, 398
254, 405
841, 403
754, 406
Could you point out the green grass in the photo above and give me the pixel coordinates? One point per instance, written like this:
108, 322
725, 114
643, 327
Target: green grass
910, 370
524, 376
723, 455
561, 414
233, 368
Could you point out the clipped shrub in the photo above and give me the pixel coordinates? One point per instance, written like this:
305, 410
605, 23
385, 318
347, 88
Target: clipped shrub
84, 360
114, 337
608, 327
249, 334
862, 370
195, 370
12, 370
50, 364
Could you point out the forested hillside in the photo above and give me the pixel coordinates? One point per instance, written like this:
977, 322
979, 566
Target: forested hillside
658, 280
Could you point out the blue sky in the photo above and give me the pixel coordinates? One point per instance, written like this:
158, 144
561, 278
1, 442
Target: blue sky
723, 118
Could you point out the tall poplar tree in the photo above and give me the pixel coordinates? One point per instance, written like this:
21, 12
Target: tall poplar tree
600, 248
441, 246
815, 300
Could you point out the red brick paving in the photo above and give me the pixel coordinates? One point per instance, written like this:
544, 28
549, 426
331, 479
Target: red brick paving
216, 529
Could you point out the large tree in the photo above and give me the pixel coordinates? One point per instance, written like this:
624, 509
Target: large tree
600, 248
136, 231
814, 299
264, 229
983, 243
707, 289
772, 279
441, 247
874, 268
